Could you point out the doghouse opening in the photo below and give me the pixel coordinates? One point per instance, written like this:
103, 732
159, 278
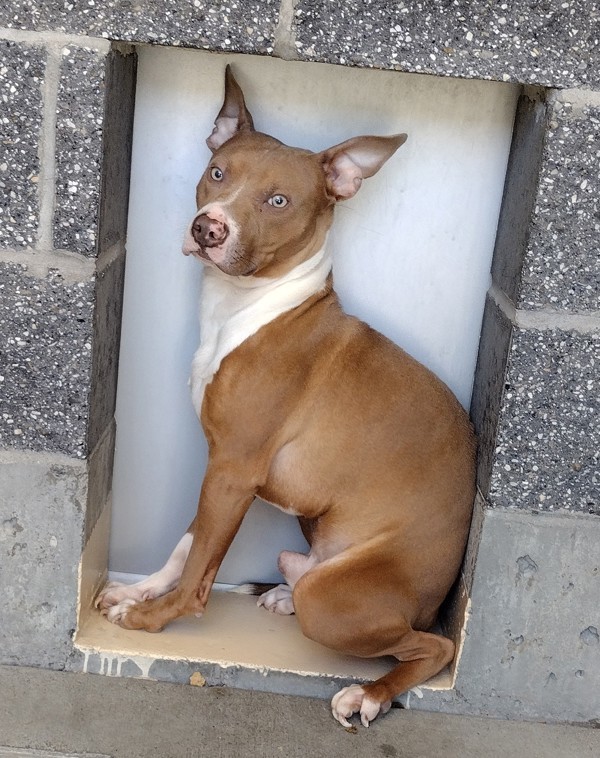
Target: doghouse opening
412, 255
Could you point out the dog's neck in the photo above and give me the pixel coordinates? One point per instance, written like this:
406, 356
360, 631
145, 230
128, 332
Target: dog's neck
234, 308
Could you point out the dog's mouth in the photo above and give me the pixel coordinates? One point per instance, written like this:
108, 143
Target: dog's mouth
235, 264
199, 253
194, 248
204, 253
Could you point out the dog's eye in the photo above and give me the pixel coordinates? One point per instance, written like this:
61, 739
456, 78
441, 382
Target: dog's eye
278, 201
216, 173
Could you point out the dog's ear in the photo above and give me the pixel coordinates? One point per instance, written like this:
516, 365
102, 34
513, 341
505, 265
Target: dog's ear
347, 164
233, 116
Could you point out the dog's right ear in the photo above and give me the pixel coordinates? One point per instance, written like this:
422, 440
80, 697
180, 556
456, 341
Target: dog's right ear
233, 116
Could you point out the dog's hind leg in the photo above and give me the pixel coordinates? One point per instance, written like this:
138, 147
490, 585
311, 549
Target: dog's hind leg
293, 566
357, 604
421, 655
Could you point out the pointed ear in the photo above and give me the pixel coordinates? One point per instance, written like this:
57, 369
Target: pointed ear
233, 116
347, 164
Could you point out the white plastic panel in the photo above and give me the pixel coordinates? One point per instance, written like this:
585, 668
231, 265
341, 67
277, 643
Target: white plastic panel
412, 257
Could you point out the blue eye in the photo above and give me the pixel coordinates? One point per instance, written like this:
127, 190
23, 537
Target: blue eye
216, 173
278, 201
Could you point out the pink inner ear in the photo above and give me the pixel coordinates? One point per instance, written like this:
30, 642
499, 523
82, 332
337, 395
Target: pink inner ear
225, 128
344, 177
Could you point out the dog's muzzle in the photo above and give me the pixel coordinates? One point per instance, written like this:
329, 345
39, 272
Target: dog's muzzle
209, 232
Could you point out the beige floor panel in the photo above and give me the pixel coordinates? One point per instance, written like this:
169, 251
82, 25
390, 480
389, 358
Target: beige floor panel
234, 632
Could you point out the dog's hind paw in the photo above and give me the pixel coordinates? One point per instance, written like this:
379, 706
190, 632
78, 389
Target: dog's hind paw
278, 600
353, 699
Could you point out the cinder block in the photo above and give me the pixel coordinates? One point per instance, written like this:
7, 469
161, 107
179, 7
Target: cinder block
520, 192
42, 506
46, 327
22, 70
548, 446
100, 471
532, 645
520, 41
79, 127
117, 140
114, 201
562, 265
108, 306
247, 26
488, 387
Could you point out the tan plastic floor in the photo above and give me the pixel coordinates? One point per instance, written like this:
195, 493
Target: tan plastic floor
234, 632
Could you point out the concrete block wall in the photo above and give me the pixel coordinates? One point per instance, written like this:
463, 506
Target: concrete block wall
532, 634
532, 647
66, 135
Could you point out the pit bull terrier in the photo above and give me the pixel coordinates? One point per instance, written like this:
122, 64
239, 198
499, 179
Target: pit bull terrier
315, 412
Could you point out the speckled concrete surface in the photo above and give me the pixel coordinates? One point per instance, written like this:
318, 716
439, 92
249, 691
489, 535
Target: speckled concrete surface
80, 114
548, 450
235, 25
553, 43
45, 328
22, 70
562, 265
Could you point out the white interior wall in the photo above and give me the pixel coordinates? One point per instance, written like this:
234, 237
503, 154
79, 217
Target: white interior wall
412, 257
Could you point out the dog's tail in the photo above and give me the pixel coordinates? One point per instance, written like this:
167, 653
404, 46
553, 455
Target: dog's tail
252, 588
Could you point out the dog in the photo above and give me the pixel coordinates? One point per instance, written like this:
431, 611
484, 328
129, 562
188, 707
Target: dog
315, 412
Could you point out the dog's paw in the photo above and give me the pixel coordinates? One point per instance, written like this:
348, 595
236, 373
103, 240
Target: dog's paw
353, 699
278, 600
117, 613
132, 615
115, 593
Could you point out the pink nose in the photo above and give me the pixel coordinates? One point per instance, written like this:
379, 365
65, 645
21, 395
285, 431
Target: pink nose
209, 233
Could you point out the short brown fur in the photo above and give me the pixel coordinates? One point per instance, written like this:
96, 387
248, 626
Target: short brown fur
324, 416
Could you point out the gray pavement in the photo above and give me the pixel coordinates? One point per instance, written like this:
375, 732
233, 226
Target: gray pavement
46, 713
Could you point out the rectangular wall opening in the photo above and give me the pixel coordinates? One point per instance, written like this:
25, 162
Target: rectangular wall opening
412, 257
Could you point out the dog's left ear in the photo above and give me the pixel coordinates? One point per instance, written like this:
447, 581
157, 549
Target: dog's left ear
233, 116
347, 164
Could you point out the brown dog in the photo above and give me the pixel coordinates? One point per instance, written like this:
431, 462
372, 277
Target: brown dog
313, 411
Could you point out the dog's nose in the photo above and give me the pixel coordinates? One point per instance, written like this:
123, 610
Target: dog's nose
208, 232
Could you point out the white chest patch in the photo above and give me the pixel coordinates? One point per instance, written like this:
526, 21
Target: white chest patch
234, 308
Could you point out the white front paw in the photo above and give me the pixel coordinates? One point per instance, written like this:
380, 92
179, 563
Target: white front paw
116, 592
278, 600
118, 612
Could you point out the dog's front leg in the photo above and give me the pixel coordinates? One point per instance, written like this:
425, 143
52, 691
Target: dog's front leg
226, 495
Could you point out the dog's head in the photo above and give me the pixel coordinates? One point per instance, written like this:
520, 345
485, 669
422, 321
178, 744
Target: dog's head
264, 207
